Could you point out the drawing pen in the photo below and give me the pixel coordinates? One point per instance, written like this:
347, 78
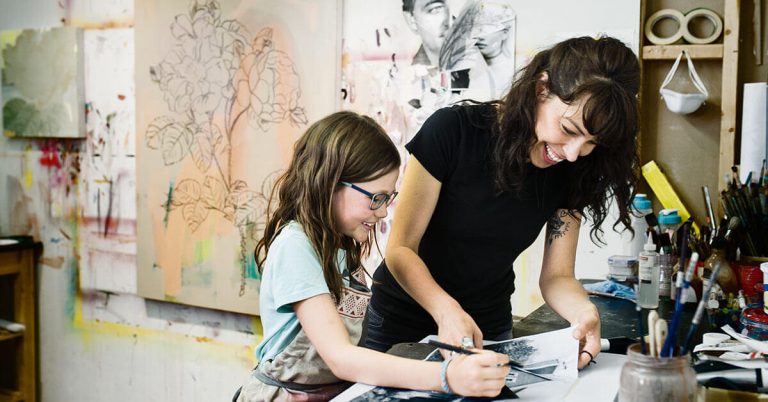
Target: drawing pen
458, 349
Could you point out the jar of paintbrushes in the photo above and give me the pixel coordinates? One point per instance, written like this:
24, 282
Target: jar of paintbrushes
649, 378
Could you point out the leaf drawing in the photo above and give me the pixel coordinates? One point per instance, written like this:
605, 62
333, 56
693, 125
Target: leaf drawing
186, 192
214, 69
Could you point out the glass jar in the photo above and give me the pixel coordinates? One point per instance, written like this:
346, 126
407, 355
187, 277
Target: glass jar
645, 378
726, 278
666, 268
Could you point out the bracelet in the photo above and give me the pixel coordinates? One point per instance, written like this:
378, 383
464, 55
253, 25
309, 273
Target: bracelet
444, 375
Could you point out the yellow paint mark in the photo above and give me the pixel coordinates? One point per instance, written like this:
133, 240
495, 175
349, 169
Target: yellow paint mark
203, 250
203, 339
89, 329
27, 167
128, 23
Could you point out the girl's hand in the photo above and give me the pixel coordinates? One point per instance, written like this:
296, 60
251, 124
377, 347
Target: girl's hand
480, 374
454, 325
587, 331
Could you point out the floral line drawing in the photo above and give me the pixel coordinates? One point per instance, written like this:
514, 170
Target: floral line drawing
213, 70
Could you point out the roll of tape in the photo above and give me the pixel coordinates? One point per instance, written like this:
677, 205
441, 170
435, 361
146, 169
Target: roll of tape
712, 16
666, 13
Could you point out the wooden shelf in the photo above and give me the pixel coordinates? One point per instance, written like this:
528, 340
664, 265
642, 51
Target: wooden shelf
9, 269
670, 52
5, 335
688, 146
21, 301
7, 395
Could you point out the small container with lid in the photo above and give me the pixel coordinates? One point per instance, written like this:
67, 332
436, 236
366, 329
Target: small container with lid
669, 221
641, 206
764, 268
648, 379
755, 322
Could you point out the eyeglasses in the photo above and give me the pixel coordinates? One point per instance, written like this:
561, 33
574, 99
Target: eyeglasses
377, 200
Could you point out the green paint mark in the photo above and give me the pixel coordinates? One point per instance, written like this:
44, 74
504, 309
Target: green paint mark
168, 203
73, 274
251, 269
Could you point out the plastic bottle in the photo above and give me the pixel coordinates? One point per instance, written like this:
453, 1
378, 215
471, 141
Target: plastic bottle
641, 206
669, 221
648, 275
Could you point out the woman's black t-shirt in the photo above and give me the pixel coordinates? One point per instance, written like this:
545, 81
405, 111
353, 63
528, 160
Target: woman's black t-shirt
475, 232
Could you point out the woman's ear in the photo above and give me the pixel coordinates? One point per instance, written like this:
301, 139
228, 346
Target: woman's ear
541, 85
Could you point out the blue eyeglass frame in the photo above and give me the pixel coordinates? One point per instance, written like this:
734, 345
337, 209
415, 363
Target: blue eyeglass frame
374, 204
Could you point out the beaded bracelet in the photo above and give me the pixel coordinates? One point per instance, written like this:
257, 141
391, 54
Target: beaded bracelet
444, 375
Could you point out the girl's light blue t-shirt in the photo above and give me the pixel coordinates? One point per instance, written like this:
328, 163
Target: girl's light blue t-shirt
292, 273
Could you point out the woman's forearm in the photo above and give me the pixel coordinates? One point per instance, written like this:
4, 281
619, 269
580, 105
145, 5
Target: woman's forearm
566, 296
412, 274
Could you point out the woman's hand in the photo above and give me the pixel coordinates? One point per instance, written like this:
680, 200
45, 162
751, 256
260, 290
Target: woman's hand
587, 331
480, 374
454, 324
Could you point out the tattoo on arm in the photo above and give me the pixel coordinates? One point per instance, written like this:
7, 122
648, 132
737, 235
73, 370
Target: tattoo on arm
556, 227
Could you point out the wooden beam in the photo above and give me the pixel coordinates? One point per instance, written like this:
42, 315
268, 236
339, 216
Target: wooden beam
670, 52
729, 91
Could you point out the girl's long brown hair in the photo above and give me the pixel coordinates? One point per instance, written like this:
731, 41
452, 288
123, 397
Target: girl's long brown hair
607, 74
343, 146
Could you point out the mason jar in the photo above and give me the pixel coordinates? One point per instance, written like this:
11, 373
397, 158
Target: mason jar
646, 379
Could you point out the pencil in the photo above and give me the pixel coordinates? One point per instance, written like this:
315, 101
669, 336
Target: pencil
451, 348
458, 349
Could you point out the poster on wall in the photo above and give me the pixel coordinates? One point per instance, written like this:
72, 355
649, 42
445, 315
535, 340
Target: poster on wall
223, 90
42, 83
404, 59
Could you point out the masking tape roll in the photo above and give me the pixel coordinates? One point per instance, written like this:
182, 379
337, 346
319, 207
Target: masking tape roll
666, 13
712, 16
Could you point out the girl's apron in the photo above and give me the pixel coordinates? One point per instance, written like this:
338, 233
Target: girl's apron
298, 373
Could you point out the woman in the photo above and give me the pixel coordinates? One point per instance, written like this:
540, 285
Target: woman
483, 180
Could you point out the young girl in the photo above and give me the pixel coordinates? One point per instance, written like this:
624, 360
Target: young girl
321, 221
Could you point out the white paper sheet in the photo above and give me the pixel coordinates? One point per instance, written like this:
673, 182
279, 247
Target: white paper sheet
598, 382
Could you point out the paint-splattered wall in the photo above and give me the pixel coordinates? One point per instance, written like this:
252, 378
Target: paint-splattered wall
97, 339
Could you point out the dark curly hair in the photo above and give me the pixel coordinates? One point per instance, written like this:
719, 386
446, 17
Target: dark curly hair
607, 74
